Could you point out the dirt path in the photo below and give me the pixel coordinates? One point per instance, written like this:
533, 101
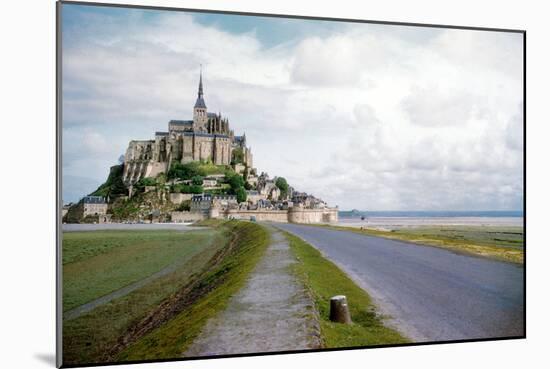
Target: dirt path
272, 312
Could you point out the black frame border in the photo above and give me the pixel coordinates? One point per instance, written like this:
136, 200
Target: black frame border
58, 155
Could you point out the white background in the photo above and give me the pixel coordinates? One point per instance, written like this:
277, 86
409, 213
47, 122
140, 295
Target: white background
27, 183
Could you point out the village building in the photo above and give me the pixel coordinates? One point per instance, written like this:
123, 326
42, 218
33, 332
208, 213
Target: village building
94, 205
253, 196
91, 208
204, 203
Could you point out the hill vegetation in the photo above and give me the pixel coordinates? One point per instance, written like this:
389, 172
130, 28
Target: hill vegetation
113, 185
196, 168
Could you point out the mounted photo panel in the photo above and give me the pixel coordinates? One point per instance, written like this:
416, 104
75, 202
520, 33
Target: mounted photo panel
240, 184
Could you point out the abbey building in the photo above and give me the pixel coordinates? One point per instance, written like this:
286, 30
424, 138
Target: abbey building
207, 137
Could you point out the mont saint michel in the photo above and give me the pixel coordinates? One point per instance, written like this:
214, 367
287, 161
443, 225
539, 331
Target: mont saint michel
196, 169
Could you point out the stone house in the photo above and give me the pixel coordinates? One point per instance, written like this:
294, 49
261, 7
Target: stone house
253, 196
94, 205
205, 203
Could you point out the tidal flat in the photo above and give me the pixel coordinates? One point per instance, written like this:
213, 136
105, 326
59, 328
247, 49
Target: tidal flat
497, 238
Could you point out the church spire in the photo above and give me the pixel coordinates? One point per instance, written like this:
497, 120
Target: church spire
200, 82
200, 100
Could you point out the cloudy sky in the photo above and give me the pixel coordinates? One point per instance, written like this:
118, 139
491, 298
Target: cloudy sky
365, 116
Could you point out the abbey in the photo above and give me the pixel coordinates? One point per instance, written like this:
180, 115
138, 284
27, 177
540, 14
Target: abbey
205, 138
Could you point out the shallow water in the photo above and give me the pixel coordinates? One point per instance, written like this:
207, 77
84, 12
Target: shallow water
400, 222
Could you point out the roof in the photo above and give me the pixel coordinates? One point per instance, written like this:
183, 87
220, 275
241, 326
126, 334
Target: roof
225, 197
199, 134
200, 102
201, 197
93, 200
240, 140
181, 122
161, 133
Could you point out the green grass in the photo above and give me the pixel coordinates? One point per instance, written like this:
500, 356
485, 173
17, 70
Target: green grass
172, 339
324, 280
99, 262
499, 243
89, 338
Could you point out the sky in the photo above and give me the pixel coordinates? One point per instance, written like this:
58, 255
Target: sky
364, 116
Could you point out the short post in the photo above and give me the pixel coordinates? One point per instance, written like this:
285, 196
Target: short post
339, 310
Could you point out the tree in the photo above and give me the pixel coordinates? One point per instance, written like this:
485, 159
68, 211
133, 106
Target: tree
237, 157
184, 171
283, 186
142, 183
184, 206
196, 189
113, 185
175, 188
183, 188
197, 180
161, 180
236, 182
241, 194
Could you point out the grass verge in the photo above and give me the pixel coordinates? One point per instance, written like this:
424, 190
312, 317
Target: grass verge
99, 262
209, 296
498, 243
325, 279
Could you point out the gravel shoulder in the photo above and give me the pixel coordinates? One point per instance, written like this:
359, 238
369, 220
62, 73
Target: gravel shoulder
272, 312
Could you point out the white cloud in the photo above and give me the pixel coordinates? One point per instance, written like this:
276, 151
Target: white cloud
369, 116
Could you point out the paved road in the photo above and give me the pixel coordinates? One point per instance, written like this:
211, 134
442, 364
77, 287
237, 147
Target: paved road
432, 294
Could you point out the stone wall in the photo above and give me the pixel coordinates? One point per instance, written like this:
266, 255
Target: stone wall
309, 216
280, 216
186, 216
178, 198
94, 209
293, 215
155, 168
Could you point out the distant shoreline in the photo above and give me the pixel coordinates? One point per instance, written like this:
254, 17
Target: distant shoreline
432, 213
394, 222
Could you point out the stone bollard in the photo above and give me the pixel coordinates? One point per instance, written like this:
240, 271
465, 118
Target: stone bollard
339, 311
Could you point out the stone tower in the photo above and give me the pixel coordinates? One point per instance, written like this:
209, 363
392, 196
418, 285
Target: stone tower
200, 116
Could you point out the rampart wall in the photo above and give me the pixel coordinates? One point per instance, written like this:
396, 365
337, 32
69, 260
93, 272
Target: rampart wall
279, 216
294, 215
309, 216
186, 216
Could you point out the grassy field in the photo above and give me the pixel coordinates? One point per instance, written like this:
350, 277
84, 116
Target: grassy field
161, 318
86, 339
219, 284
99, 262
324, 280
499, 243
